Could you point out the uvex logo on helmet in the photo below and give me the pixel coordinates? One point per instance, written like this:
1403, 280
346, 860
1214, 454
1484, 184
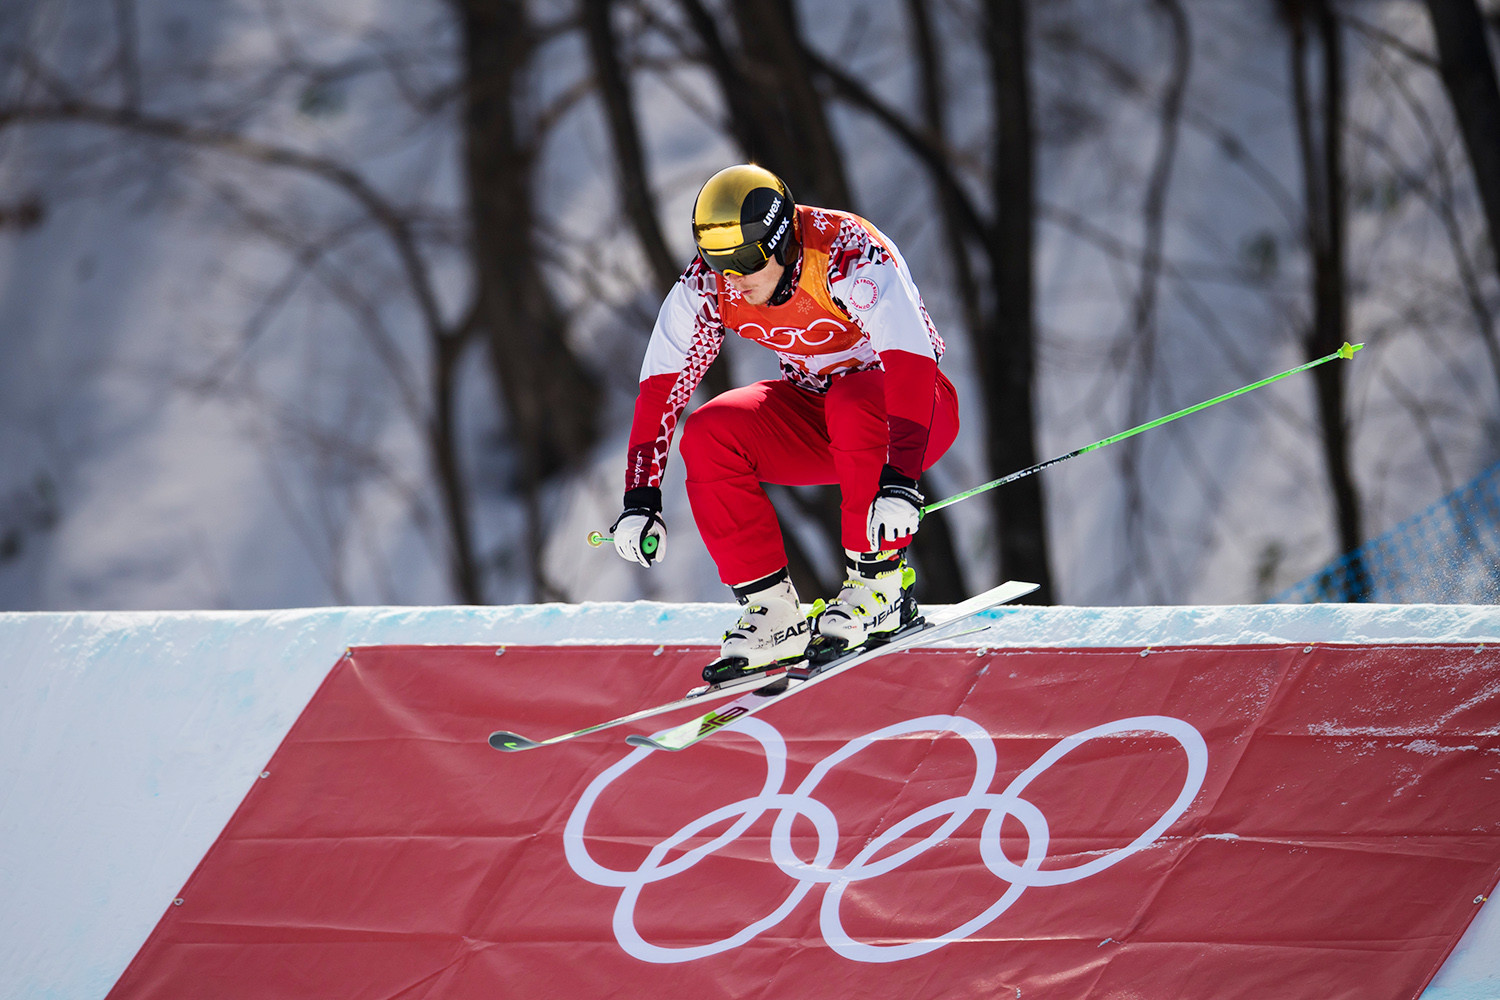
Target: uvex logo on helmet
775, 238
771, 212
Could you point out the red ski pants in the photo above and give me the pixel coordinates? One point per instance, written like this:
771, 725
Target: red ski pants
773, 432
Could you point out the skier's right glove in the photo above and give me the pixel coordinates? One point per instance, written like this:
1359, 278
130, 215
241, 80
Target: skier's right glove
640, 534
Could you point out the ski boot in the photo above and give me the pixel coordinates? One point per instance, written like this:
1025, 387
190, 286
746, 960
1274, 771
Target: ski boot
878, 600
773, 631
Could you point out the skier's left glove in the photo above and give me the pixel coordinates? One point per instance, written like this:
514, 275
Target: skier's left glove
897, 509
640, 533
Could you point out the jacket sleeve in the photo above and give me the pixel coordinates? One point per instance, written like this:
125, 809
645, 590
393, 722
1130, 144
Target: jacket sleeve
868, 275
910, 397
686, 339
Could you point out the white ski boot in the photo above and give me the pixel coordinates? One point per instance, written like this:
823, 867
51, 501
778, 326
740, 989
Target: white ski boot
772, 630
877, 600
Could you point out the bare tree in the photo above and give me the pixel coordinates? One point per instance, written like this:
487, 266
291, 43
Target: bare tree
1006, 346
617, 93
1319, 116
1143, 321
551, 398
774, 113
614, 83
1467, 66
998, 306
397, 226
495, 270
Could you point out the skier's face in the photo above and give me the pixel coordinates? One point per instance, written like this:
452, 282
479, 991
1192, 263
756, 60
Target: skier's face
758, 287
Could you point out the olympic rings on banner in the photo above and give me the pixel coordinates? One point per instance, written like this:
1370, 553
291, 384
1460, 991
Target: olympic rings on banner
807, 874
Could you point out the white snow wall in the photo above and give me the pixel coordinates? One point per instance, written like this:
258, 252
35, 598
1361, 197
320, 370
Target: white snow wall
127, 740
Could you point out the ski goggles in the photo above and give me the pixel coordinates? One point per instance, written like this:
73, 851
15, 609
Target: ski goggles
745, 259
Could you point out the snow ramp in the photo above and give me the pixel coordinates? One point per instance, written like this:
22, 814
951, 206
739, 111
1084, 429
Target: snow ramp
1294, 802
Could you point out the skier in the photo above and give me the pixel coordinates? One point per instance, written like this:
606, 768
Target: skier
860, 403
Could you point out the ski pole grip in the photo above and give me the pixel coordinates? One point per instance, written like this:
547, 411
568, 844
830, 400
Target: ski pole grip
648, 544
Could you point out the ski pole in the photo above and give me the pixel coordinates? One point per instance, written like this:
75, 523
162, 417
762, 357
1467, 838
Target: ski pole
1346, 352
648, 544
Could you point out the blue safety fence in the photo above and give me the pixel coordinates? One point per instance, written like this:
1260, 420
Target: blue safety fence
1447, 554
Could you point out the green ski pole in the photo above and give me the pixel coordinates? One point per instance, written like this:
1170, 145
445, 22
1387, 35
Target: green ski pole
1346, 352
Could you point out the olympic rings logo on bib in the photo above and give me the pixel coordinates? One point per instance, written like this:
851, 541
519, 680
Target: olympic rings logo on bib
809, 874
821, 332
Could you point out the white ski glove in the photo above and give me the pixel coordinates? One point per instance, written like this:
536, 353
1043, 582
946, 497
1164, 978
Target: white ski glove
640, 534
897, 510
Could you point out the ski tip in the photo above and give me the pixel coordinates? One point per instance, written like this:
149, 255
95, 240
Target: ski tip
647, 742
510, 742
1347, 351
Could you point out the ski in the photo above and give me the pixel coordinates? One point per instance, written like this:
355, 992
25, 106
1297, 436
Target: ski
945, 623
509, 742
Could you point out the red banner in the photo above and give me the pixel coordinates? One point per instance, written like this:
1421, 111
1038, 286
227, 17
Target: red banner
1217, 823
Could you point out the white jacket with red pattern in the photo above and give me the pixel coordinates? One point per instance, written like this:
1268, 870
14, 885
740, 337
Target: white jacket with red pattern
855, 307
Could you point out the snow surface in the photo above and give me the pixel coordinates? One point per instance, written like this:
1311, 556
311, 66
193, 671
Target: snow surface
128, 739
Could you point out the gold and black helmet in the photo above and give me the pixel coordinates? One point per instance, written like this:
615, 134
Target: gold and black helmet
743, 218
